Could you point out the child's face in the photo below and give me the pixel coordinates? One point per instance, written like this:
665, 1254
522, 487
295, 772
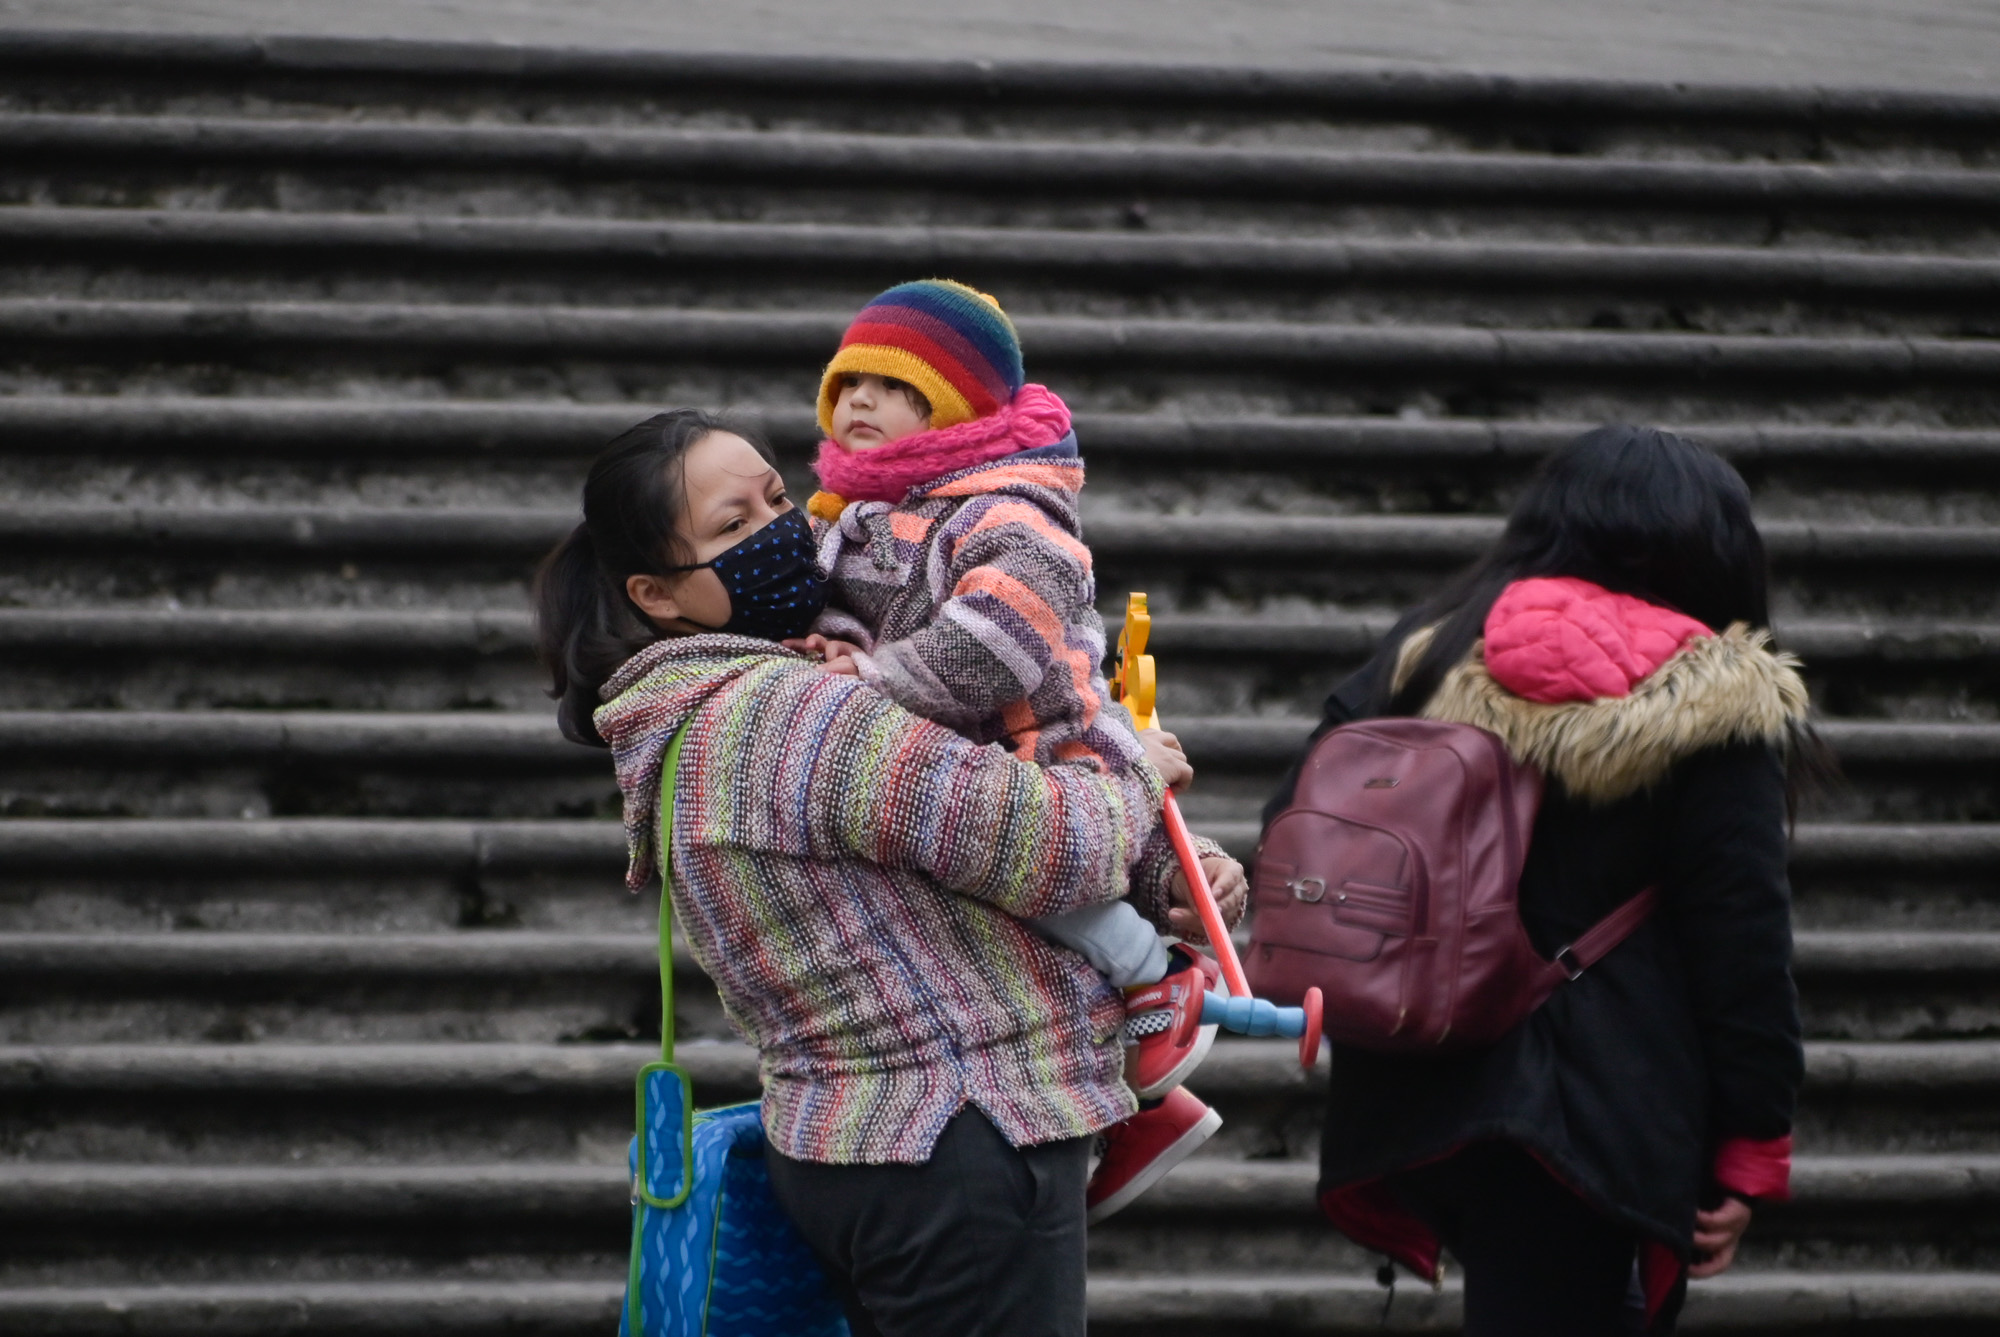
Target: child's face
874, 410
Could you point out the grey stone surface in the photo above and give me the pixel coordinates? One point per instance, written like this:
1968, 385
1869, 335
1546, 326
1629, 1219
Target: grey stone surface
305, 909
1917, 44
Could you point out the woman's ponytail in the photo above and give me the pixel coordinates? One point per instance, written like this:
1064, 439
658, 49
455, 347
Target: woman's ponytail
569, 596
585, 623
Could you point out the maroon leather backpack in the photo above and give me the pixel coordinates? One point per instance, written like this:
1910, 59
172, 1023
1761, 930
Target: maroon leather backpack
1391, 884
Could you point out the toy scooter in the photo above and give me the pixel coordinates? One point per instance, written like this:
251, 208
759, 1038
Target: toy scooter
1135, 686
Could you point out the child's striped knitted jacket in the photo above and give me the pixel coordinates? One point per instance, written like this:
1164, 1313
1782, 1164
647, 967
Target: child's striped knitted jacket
975, 599
854, 879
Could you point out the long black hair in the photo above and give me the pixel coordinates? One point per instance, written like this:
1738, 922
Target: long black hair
1634, 509
586, 625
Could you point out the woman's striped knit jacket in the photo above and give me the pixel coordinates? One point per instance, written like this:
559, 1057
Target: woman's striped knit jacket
854, 879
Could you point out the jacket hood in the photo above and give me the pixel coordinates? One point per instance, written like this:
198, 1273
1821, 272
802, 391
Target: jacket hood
1606, 693
645, 703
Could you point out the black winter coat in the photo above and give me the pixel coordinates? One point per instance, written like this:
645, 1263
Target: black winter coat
1628, 1079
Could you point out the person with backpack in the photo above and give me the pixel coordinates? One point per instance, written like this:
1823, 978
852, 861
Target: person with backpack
1619, 1090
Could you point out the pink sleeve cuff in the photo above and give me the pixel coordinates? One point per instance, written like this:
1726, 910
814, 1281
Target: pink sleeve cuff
1756, 1169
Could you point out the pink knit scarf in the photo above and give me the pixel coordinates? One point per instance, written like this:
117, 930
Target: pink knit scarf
1033, 417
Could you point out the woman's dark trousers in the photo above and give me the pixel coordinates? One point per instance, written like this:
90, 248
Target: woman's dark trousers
982, 1239
1538, 1262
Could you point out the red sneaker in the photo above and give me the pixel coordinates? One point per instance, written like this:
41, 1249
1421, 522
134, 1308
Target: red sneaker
1140, 1151
1164, 1038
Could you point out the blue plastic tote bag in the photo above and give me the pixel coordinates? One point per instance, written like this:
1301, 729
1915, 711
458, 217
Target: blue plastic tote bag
713, 1255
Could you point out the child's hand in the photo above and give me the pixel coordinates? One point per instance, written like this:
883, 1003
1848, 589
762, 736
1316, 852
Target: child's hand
1232, 891
841, 657
834, 656
1164, 751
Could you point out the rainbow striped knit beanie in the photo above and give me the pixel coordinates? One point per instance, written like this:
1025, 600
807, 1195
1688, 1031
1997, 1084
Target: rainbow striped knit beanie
952, 342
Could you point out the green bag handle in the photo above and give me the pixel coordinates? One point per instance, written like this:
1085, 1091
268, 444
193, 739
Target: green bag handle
668, 769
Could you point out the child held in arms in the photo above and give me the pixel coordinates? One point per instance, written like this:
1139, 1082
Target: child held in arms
961, 588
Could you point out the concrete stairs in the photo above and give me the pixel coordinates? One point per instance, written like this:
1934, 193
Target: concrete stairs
319, 997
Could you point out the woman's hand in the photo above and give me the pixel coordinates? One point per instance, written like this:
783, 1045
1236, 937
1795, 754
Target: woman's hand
1231, 888
1164, 751
1716, 1235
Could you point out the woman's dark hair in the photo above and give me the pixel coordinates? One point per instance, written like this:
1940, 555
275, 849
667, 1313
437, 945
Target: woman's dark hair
1634, 509
633, 498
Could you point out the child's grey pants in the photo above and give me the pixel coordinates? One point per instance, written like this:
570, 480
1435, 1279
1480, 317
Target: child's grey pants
1114, 937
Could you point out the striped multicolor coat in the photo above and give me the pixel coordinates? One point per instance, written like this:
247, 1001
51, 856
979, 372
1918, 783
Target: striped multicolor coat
854, 880
976, 602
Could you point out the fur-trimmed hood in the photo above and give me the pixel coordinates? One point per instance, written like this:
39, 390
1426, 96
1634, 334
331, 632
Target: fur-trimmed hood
1710, 690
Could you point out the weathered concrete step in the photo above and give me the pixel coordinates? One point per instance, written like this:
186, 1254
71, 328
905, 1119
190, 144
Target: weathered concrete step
123, 235
528, 532
346, 1308
1269, 1192
1819, 640
1916, 850
1235, 1070
347, 846
444, 633
213, 960
449, 739
186, 329
1743, 1301
159, 427
293, 633
223, 957
1273, 742
793, 159
719, 1070
334, 846
519, 71
1763, 1302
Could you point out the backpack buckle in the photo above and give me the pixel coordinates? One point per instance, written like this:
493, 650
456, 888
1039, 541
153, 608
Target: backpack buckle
1308, 888
1571, 967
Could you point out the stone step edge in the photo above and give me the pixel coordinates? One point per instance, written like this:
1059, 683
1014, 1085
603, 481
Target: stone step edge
1779, 1302
1737, 270
498, 632
173, 425
1377, 92
447, 738
525, 532
45, 1191
514, 331
798, 158
215, 959
1234, 1069
333, 846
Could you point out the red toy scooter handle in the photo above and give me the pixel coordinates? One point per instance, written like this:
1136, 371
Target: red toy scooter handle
1315, 1010
1204, 901
1233, 977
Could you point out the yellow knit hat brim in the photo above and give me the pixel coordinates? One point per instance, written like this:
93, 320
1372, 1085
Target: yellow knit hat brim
948, 407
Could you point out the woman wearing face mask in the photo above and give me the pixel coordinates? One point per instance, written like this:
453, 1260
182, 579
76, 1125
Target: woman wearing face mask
854, 879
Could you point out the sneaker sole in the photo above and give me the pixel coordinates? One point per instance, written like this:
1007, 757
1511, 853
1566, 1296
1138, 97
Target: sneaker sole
1182, 1148
1184, 1069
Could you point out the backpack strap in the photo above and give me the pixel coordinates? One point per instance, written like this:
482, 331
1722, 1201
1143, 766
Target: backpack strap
1597, 941
668, 769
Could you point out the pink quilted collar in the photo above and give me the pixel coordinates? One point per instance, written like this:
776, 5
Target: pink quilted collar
1557, 638
1034, 417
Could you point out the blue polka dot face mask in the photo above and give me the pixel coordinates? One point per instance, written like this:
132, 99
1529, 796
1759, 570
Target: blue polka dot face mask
773, 578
